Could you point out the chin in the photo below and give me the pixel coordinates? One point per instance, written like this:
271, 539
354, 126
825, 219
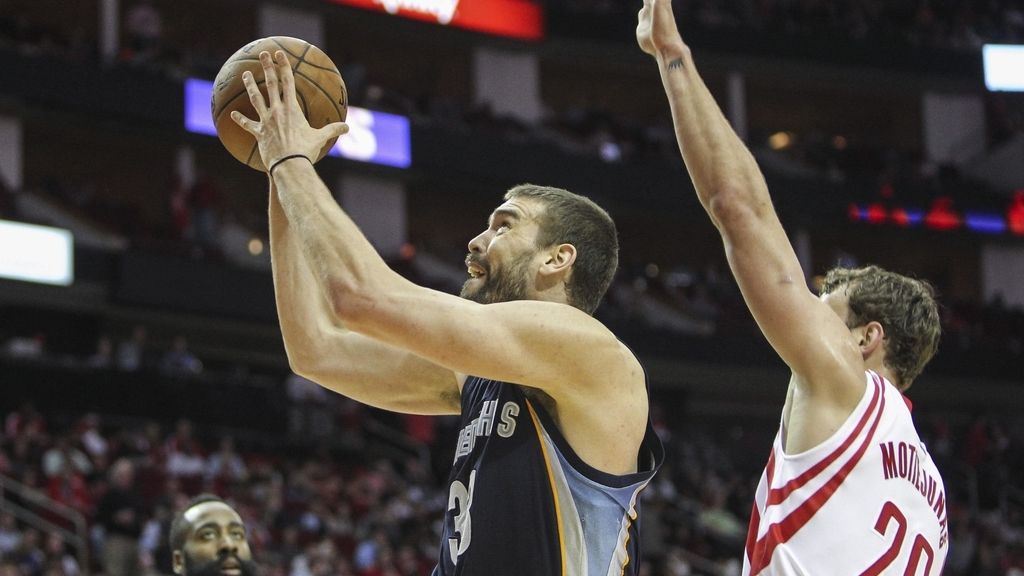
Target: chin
472, 289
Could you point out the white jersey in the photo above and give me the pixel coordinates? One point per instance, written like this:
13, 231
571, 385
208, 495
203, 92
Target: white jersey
869, 500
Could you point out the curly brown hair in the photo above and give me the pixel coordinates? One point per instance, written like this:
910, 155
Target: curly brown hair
905, 307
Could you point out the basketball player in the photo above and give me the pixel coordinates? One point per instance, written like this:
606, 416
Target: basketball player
556, 442
208, 538
849, 488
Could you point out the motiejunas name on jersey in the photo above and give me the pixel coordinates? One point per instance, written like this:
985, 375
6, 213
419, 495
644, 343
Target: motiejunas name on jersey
483, 425
900, 460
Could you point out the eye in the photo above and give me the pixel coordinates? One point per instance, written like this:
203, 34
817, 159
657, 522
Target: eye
502, 228
206, 535
238, 535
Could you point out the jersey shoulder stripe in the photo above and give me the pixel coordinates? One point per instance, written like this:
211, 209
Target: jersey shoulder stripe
780, 532
777, 495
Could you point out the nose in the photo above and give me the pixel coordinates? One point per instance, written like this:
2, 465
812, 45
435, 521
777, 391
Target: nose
478, 245
228, 544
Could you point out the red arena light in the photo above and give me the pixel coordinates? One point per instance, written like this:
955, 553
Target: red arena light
1015, 213
941, 216
899, 217
877, 214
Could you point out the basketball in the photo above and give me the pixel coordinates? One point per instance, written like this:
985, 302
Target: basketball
318, 87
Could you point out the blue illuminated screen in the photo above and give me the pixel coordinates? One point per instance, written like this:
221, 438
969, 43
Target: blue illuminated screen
375, 137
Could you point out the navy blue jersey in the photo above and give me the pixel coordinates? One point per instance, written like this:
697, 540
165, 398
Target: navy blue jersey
520, 501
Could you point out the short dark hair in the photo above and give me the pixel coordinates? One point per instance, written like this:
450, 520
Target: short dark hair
905, 307
573, 219
180, 526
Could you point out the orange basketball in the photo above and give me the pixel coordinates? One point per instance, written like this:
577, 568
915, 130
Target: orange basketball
318, 86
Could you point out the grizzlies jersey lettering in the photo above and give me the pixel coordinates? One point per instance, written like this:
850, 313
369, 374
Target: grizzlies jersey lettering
520, 501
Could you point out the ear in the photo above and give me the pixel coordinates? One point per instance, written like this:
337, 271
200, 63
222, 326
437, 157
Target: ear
870, 338
559, 259
177, 562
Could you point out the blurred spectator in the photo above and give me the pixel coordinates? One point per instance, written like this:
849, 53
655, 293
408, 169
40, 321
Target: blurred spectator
63, 456
26, 421
185, 459
91, 438
10, 535
144, 30
131, 353
10, 568
309, 408
205, 199
225, 467
103, 357
121, 513
26, 347
29, 556
58, 560
179, 360
155, 553
70, 489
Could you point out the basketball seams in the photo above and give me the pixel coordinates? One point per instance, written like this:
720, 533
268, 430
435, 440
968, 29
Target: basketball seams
315, 76
302, 60
333, 71
252, 153
286, 49
330, 98
216, 116
302, 102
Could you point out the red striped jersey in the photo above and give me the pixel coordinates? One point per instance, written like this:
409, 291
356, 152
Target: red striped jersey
867, 501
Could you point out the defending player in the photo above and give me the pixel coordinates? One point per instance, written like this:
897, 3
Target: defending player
208, 538
556, 441
849, 488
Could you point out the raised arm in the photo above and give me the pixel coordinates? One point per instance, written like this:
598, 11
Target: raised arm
344, 361
544, 345
805, 332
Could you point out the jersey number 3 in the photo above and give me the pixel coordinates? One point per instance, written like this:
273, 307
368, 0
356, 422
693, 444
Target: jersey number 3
460, 497
889, 514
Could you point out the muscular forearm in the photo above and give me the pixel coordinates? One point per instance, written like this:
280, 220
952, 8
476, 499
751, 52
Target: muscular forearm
723, 170
302, 306
343, 261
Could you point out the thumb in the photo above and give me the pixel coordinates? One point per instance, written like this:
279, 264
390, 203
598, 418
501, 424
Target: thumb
334, 130
246, 124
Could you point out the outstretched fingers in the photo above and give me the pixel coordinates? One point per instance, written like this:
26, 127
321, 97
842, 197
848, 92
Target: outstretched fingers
273, 91
286, 75
250, 126
254, 94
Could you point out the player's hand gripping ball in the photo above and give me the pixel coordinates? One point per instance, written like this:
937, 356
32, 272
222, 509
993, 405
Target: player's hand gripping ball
318, 87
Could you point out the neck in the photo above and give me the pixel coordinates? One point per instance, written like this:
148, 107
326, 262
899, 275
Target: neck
556, 293
882, 370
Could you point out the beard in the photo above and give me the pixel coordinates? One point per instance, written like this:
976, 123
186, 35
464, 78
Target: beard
212, 567
508, 284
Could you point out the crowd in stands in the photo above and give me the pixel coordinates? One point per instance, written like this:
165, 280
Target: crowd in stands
132, 353
656, 309
146, 43
329, 503
197, 214
963, 25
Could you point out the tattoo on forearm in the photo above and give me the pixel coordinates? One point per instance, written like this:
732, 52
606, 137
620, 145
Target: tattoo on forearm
676, 64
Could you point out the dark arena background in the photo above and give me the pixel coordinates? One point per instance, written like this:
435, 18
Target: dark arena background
139, 337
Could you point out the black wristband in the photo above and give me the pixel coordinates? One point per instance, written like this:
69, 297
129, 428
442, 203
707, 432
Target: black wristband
276, 164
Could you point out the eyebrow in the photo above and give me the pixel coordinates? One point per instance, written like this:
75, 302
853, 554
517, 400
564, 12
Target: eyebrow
231, 525
506, 212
